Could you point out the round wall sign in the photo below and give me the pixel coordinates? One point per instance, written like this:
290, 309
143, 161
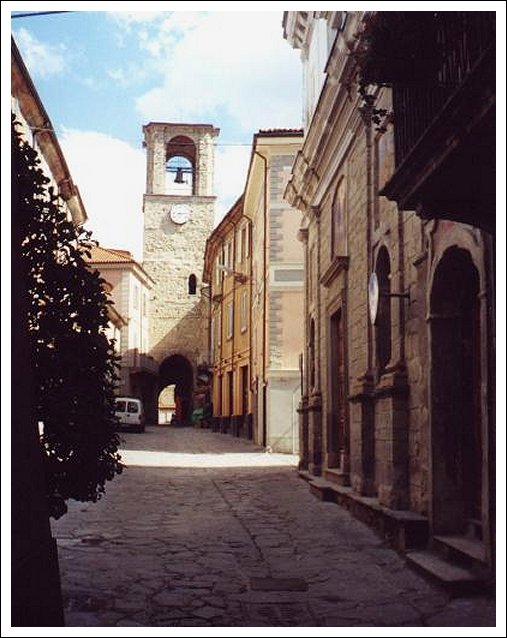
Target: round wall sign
180, 213
373, 297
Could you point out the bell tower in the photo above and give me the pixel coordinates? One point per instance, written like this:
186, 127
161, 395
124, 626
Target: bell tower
178, 209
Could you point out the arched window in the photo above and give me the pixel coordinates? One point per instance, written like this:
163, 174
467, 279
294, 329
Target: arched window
192, 284
339, 222
383, 323
180, 166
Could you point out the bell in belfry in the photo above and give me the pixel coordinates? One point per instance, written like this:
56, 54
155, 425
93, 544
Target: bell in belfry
179, 176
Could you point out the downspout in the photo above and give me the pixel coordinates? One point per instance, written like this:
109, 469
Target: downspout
234, 284
401, 305
264, 297
220, 335
250, 305
366, 116
210, 338
317, 356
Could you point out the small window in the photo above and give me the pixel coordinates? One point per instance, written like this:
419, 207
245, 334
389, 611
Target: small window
230, 320
120, 406
192, 284
339, 222
243, 244
228, 257
218, 271
243, 312
133, 407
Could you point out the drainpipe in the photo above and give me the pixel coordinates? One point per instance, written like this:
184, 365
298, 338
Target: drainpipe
401, 270
234, 285
264, 297
220, 334
317, 355
369, 215
250, 303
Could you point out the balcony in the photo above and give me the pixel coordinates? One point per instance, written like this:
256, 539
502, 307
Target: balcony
442, 74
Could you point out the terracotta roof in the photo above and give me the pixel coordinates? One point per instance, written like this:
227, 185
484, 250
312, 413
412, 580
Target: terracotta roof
101, 255
280, 132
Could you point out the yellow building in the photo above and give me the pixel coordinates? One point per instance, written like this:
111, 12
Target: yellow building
227, 273
254, 270
277, 290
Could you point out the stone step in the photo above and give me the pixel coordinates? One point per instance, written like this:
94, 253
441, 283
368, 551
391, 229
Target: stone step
403, 529
337, 476
475, 528
463, 551
456, 580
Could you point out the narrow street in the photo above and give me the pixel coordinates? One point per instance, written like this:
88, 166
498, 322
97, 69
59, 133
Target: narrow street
203, 529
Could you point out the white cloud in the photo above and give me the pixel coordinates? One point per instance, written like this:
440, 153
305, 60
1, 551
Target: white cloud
110, 175
231, 165
41, 59
229, 63
127, 18
119, 76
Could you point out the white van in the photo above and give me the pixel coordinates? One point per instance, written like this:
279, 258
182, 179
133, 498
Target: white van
130, 413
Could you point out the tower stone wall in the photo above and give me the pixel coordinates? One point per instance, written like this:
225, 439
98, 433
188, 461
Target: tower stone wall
174, 251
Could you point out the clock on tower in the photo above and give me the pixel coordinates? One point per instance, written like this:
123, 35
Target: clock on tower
180, 213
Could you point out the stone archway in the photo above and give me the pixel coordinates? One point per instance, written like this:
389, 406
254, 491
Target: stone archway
177, 370
455, 390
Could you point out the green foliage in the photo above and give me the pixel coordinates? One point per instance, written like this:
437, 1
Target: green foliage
74, 363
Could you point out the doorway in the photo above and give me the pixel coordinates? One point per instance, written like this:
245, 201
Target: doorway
456, 440
244, 390
338, 444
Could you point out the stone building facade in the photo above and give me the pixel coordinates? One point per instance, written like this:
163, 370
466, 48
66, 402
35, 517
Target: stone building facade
396, 414
178, 211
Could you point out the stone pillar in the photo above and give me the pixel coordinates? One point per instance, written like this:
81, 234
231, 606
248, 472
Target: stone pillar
159, 162
315, 433
391, 420
362, 436
204, 168
303, 433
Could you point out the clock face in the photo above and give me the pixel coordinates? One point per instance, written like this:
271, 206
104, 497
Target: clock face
180, 213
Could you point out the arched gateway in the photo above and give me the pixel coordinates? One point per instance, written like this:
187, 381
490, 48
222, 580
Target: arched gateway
177, 371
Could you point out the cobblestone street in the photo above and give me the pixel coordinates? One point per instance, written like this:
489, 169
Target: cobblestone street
203, 529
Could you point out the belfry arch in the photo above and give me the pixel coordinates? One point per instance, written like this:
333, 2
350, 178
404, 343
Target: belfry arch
181, 166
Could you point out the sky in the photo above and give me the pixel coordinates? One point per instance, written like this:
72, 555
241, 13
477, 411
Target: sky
102, 75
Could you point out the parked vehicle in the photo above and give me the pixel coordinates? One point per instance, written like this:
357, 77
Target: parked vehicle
130, 414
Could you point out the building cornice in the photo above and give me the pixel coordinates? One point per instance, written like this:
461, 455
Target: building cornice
37, 118
323, 152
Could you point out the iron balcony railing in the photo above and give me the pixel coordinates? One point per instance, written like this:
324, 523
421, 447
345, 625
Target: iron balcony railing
459, 40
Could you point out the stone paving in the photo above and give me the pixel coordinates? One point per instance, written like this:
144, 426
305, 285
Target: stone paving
206, 530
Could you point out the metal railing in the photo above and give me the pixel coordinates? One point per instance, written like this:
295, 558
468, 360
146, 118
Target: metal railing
461, 39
